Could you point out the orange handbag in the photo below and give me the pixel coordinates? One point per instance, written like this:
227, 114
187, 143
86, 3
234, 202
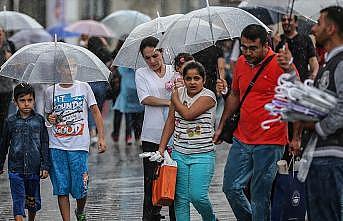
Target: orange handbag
163, 186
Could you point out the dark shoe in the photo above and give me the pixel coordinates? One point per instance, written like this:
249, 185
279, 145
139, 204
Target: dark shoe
80, 216
115, 138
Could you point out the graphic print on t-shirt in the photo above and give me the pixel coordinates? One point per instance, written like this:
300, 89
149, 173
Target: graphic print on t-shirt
69, 115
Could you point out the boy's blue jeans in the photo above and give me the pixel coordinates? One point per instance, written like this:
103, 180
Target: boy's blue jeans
258, 164
324, 189
25, 191
194, 176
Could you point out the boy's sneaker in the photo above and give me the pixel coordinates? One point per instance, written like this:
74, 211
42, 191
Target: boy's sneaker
115, 138
80, 216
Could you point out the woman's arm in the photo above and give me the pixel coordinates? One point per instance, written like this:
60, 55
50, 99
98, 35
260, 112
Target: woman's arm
168, 130
200, 106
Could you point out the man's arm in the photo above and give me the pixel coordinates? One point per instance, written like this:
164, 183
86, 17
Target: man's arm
314, 67
100, 127
231, 105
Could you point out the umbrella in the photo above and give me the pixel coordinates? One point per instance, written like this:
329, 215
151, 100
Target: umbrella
129, 55
54, 62
60, 32
201, 28
124, 21
11, 20
311, 9
266, 16
26, 37
89, 27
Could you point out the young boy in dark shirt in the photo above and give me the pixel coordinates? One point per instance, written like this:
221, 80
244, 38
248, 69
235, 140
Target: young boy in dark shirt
25, 139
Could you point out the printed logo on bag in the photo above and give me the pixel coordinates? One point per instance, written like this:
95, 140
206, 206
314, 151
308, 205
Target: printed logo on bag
324, 80
295, 198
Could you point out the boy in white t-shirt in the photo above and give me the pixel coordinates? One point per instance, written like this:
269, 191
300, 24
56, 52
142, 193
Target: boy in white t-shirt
150, 83
69, 138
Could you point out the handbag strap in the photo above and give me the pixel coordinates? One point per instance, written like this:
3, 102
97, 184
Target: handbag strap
252, 82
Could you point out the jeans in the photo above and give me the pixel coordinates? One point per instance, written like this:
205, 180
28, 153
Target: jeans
151, 212
99, 90
194, 176
258, 164
25, 191
324, 189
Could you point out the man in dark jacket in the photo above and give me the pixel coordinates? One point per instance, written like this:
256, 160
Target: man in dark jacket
325, 177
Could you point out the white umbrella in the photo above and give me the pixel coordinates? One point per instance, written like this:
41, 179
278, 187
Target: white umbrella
12, 20
90, 27
31, 36
311, 8
129, 55
201, 28
124, 21
54, 62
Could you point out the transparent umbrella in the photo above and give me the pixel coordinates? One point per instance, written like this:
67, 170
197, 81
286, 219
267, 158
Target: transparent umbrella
311, 8
90, 27
54, 62
201, 28
129, 55
12, 20
31, 36
122, 22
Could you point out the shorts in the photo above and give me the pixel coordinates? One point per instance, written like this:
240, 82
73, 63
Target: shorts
69, 173
25, 191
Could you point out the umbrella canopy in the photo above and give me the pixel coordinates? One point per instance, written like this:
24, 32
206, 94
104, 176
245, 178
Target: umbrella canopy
59, 31
201, 28
54, 62
26, 37
12, 20
129, 55
90, 27
124, 21
311, 9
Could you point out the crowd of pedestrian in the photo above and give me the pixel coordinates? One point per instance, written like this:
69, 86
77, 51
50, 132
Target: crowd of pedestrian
175, 108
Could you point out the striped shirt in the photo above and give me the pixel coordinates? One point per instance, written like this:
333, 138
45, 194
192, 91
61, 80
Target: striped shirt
194, 136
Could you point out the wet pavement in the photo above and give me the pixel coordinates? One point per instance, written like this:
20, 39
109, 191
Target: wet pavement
116, 187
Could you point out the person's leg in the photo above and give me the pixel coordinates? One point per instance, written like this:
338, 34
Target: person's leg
150, 212
64, 206
78, 164
237, 173
18, 195
5, 99
32, 216
128, 128
200, 176
138, 124
324, 192
182, 197
264, 172
117, 116
32, 192
61, 180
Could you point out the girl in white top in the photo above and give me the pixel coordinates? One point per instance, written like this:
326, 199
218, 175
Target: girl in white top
191, 118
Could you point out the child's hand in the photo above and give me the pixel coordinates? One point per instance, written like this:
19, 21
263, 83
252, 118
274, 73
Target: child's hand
179, 82
44, 174
101, 145
52, 118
